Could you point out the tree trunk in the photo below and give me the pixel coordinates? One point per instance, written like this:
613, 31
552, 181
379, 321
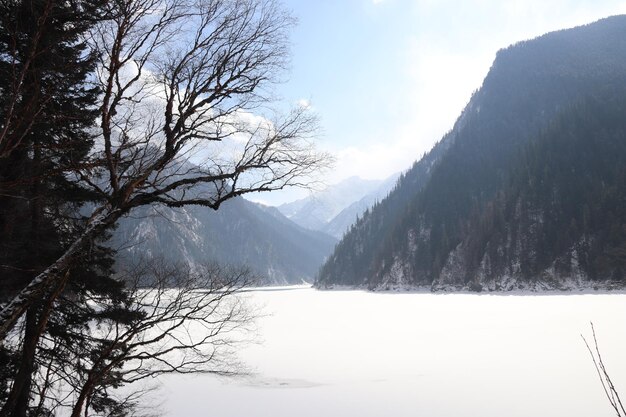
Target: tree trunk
19, 397
56, 274
85, 393
36, 321
34, 327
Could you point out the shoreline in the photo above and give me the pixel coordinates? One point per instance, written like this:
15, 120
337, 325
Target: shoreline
408, 289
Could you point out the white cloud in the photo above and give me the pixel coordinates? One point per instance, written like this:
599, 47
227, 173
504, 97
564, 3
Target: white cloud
305, 103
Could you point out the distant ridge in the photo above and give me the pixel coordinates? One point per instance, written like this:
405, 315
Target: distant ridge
334, 209
240, 233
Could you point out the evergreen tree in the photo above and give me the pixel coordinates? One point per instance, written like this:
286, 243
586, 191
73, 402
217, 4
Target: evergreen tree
58, 282
46, 112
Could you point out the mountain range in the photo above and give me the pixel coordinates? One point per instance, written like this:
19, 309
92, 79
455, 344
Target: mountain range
334, 209
528, 189
240, 233
281, 245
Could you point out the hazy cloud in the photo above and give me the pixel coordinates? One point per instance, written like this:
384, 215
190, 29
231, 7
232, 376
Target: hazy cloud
388, 85
305, 103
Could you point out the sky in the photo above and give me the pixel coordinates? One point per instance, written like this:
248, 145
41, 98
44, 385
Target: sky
388, 78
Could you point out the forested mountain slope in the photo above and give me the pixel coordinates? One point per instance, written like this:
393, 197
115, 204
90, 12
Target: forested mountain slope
528, 190
240, 233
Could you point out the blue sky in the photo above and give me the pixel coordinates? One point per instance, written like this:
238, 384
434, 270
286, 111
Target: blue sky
389, 77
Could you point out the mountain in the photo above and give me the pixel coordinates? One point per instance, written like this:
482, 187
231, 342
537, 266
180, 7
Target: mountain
316, 210
340, 224
239, 233
528, 190
336, 208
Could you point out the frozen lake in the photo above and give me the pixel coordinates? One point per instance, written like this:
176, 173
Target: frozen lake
354, 353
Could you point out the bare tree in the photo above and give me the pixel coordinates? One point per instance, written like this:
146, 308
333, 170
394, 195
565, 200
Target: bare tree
185, 116
177, 320
607, 384
187, 322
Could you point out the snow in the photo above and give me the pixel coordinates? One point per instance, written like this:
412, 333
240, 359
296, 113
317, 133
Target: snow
357, 353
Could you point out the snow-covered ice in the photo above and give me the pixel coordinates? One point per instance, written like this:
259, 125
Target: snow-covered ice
355, 353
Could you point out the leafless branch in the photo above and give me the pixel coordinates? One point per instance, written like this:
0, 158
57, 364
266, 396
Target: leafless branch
186, 88
188, 322
607, 384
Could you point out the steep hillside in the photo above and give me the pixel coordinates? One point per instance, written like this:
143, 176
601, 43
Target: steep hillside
239, 233
526, 191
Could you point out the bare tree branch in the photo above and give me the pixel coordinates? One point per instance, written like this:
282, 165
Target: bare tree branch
188, 322
607, 384
185, 84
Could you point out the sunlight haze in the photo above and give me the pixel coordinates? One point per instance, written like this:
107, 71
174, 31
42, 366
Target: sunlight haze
389, 77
